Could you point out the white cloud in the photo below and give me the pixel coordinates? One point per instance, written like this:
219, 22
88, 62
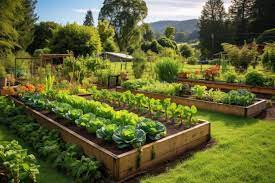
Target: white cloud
84, 10
175, 9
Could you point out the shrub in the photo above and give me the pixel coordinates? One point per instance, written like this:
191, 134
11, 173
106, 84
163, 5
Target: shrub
268, 57
167, 43
139, 64
192, 60
186, 51
156, 47
39, 52
135, 84
241, 58
81, 40
254, 78
172, 89
167, 70
231, 77
239, 97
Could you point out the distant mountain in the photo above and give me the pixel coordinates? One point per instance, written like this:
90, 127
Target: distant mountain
187, 26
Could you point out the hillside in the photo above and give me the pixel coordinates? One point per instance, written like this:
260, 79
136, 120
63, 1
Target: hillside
187, 26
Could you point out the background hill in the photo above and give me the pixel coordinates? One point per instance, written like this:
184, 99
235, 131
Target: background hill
187, 30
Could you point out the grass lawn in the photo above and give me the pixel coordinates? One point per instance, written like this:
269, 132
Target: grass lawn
47, 173
244, 152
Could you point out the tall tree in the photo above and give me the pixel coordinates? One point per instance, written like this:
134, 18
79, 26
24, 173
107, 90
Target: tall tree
124, 16
212, 25
240, 15
170, 32
8, 33
89, 19
43, 34
26, 26
107, 33
263, 13
147, 32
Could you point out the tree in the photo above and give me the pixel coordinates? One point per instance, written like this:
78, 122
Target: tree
186, 51
81, 40
147, 33
240, 15
25, 27
124, 16
43, 34
267, 36
262, 16
170, 32
107, 33
8, 32
89, 19
168, 43
212, 25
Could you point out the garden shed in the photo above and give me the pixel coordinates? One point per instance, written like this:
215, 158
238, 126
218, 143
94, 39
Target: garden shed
117, 57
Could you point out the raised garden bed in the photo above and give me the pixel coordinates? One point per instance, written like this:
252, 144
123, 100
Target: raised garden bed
249, 111
230, 86
123, 164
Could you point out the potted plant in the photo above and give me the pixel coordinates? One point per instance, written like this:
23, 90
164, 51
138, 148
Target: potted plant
3, 79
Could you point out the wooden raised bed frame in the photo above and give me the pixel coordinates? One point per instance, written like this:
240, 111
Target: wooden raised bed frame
249, 111
230, 86
124, 166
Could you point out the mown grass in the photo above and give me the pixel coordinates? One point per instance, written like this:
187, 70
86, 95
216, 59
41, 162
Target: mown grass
47, 173
244, 152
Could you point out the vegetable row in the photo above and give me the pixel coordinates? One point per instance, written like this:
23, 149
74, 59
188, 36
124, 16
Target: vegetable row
178, 114
47, 144
234, 97
18, 164
124, 128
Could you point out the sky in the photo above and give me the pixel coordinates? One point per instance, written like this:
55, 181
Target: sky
69, 11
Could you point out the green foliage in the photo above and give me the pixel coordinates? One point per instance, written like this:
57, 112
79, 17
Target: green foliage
268, 57
156, 47
231, 77
241, 58
106, 132
154, 130
239, 97
81, 40
135, 83
186, 50
167, 69
107, 33
39, 52
163, 88
2, 71
89, 19
21, 166
128, 136
147, 33
125, 17
168, 43
192, 60
170, 32
254, 78
199, 91
212, 27
43, 34
139, 64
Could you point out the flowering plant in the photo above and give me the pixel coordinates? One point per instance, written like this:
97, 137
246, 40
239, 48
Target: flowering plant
212, 72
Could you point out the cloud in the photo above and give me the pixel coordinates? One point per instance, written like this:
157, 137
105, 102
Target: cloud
175, 9
84, 10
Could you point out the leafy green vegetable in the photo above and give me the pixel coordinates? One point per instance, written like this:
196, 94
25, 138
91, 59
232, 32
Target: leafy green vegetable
154, 130
106, 132
128, 136
73, 114
94, 124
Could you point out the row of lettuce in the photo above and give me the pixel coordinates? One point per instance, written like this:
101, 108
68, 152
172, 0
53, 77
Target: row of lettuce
124, 128
47, 144
234, 97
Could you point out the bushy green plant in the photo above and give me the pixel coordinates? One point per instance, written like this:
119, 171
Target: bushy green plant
186, 50
135, 83
139, 64
231, 77
167, 69
239, 97
198, 91
268, 57
154, 130
192, 60
163, 88
168, 43
2, 71
254, 78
